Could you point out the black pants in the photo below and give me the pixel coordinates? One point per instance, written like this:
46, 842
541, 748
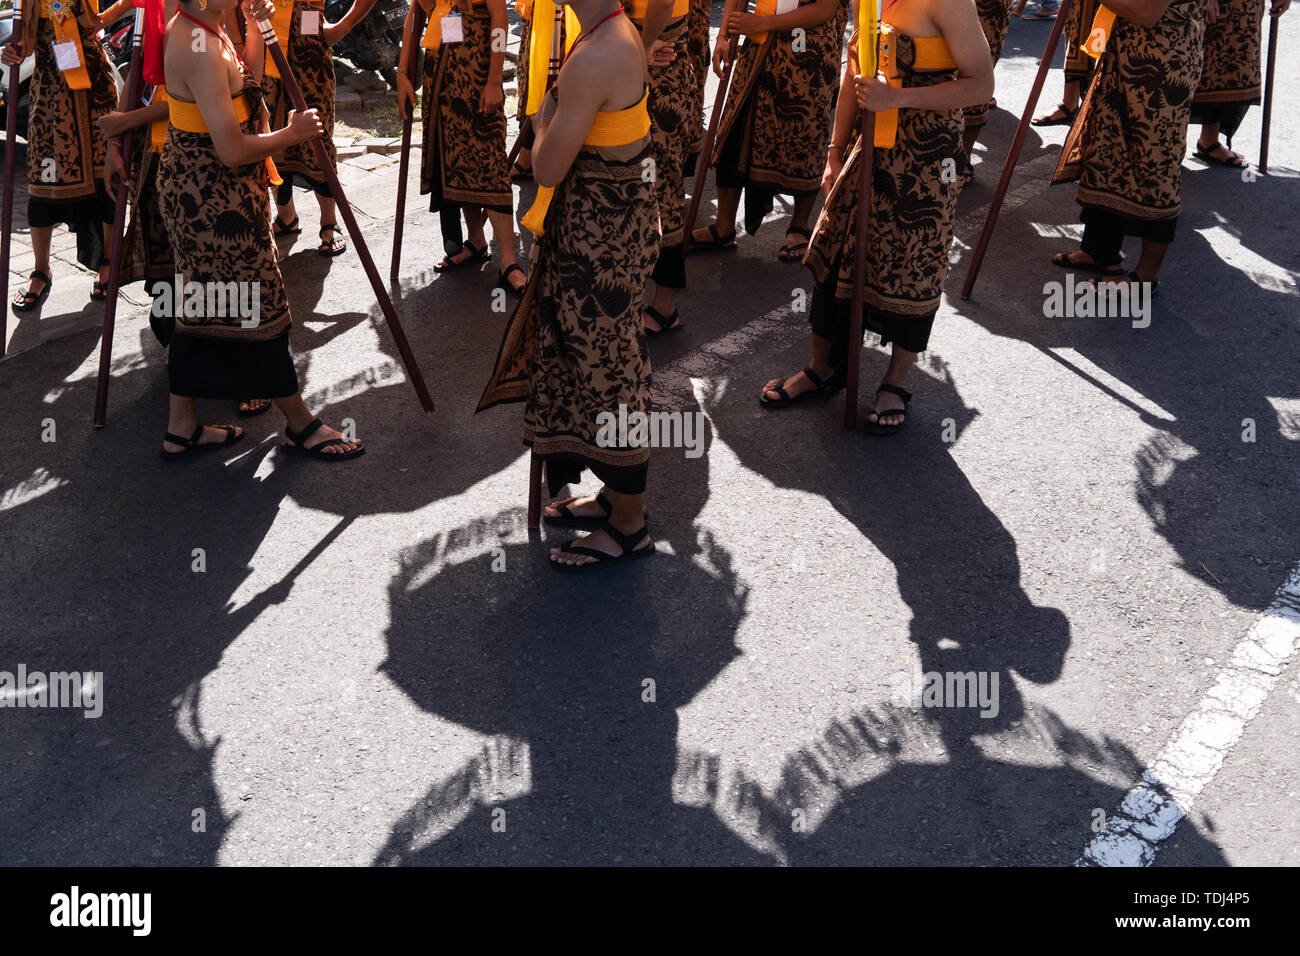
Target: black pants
564, 470
1104, 232
829, 318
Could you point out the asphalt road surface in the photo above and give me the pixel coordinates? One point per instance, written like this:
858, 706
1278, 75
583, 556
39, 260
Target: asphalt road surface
371, 663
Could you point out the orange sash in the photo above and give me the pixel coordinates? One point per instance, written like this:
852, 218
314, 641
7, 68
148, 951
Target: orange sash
636, 9
65, 31
186, 116
282, 24
1099, 34
432, 39
931, 54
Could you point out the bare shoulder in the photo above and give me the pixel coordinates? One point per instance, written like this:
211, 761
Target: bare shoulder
610, 70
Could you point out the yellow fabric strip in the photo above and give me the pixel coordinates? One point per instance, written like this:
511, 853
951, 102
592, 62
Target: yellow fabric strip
767, 8
637, 9
539, 48
158, 128
608, 129
65, 31
868, 35
432, 39
932, 53
185, 115
525, 9
1099, 35
282, 24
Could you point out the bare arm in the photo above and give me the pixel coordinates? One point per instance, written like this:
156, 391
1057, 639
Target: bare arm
809, 15
97, 21
335, 32
561, 130
1147, 13
960, 26
657, 15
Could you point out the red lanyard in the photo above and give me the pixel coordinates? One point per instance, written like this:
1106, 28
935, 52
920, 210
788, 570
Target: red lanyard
583, 36
219, 35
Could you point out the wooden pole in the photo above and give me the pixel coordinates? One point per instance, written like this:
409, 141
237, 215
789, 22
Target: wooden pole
345, 210
119, 225
866, 160
706, 151
1268, 94
11, 162
413, 63
1013, 154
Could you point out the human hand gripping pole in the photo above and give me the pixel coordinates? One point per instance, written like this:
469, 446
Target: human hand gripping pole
345, 210
11, 161
119, 222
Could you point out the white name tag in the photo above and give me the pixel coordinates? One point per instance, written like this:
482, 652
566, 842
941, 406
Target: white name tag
453, 31
310, 23
65, 56
786, 6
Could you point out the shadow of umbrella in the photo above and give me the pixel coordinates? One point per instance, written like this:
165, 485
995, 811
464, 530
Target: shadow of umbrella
588, 672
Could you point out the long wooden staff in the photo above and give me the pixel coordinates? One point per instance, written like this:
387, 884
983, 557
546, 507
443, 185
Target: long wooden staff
868, 42
345, 209
1013, 154
133, 82
552, 74
706, 150
11, 161
1268, 93
413, 62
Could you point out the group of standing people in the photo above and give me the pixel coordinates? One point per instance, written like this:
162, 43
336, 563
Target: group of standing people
611, 103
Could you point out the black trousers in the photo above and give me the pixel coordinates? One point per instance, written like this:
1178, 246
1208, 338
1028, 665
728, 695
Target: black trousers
1104, 232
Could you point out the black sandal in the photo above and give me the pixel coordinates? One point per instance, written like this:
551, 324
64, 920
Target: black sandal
567, 518
29, 301
1050, 120
253, 412
825, 388
719, 242
875, 428
795, 253
476, 254
99, 291
503, 280
668, 324
281, 228
192, 445
317, 451
628, 542
1062, 259
331, 247
1207, 156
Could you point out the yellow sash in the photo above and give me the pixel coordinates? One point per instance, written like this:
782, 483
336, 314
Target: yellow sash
158, 128
282, 24
931, 54
1099, 34
525, 9
539, 48
636, 9
185, 115
608, 129
65, 31
433, 29
767, 8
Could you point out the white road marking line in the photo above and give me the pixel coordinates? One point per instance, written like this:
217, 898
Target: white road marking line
1152, 810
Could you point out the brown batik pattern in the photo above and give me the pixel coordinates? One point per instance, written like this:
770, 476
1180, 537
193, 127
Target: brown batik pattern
780, 101
464, 147
575, 346
148, 250
219, 221
62, 122
912, 206
1232, 54
995, 20
313, 67
700, 52
1127, 144
671, 128
521, 69
1078, 65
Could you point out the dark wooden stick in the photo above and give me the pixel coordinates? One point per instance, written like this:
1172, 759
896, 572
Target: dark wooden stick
413, 62
1013, 154
534, 491
1268, 94
866, 159
11, 162
706, 151
133, 82
345, 209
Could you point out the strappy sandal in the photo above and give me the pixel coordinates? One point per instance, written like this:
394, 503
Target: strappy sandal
99, 291
503, 280
281, 229
295, 444
1052, 120
519, 173
1062, 259
29, 301
476, 254
825, 388
192, 445
628, 542
668, 324
566, 518
719, 242
795, 253
875, 428
1134, 279
253, 412
331, 247
1207, 156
